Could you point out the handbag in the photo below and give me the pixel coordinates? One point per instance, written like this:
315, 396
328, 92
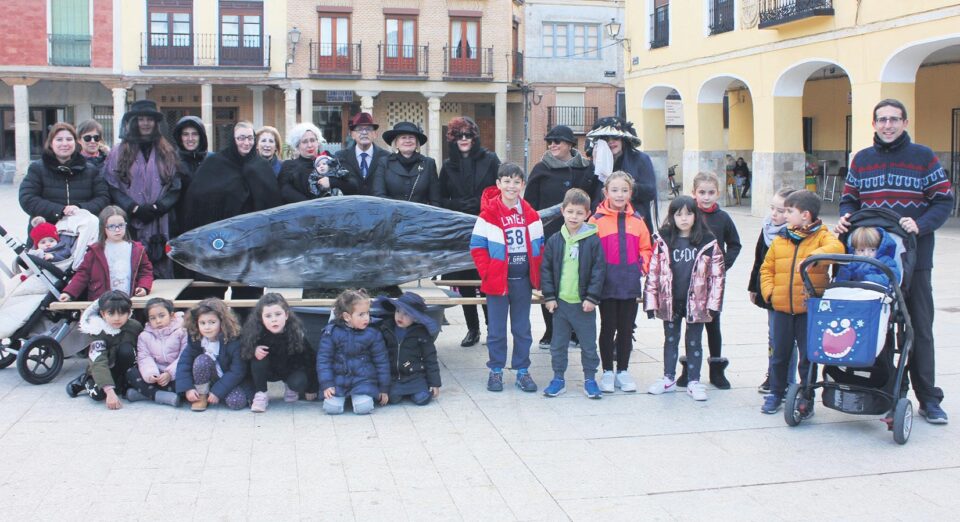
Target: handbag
157, 248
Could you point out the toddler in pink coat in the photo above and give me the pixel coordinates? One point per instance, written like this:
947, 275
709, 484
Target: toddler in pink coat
158, 350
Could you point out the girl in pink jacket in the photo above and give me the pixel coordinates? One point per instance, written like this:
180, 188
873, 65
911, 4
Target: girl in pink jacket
158, 350
685, 283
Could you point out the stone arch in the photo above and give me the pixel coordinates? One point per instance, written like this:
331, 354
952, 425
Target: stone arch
902, 65
793, 79
656, 95
713, 89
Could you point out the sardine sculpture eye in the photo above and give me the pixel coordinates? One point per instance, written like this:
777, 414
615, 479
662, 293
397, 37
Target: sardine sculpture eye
333, 242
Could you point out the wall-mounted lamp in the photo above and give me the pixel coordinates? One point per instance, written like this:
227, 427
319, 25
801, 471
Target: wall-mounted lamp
537, 98
613, 32
293, 37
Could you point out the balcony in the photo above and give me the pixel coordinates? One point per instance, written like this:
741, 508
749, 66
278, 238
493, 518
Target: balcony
779, 12
335, 60
579, 119
517, 66
70, 50
403, 61
660, 27
721, 16
469, 65
162, 50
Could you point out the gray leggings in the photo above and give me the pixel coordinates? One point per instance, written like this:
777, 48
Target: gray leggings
671, 345
205, 374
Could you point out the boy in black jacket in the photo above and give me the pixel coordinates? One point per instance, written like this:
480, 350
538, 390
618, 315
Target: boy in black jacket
408, 335
706, 190
572, 277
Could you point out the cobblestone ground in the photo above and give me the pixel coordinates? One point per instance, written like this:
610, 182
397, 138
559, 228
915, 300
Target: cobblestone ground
478, 455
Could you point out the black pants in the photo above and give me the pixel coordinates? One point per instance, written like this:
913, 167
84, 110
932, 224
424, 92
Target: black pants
714, 338
789, 331
921, 365
300, 380
470, 314
125, 358
617, 318
135, 381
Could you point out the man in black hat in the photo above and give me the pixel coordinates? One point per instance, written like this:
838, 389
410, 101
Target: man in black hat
362, 159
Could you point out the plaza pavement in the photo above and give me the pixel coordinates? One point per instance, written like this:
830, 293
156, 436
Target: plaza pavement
475, 455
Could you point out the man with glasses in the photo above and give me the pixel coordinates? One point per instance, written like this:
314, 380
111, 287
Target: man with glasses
362, 159
906, 178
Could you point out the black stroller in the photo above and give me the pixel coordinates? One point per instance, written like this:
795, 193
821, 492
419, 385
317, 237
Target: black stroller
860, 332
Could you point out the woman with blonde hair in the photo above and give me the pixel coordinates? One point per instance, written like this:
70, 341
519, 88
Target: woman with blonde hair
268, 146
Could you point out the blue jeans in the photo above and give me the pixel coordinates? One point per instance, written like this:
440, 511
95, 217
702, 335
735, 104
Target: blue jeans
517, 304
792, 367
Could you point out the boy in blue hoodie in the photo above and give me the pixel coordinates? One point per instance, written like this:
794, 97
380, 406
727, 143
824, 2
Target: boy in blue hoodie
572, 276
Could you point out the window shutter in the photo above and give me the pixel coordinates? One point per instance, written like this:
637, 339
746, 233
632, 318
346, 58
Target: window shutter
70, 32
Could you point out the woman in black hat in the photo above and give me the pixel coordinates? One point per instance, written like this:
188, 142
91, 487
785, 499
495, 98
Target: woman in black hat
468, 170
144, 181
561, 169
407, 175
622, 141
409, 333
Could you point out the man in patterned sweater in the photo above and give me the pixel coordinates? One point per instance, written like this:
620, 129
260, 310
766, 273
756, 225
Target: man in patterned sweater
906, 178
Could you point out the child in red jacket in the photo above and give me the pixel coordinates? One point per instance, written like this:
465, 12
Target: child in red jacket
507, 247
113, 263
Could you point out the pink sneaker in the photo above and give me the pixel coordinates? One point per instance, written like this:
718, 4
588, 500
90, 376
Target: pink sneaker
291, 396
260, 402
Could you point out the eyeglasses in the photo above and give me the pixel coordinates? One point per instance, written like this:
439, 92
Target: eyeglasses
554, 142
117, 227
243, 138
464, 136
889, 119
91, 137
363, 130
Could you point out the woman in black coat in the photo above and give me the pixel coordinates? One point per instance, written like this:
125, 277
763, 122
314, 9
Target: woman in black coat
297, 173
468, 170
407, 175
62, 181
561, 169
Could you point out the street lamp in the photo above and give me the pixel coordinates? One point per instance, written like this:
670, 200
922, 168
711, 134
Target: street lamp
293, 36
613, 32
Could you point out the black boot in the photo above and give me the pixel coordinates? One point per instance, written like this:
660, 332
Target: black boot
717, 366
75, 386
682, 380
472, 338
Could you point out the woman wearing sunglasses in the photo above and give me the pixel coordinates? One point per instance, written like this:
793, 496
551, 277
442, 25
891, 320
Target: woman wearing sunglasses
561, 169
92, 145
468, 170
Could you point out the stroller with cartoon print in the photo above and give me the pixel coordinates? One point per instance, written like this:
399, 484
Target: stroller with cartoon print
860, 332
34, 337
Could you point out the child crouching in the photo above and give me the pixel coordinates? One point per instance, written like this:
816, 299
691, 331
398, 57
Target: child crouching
210, 369
112, 351
158, 351
352, 360
408, 335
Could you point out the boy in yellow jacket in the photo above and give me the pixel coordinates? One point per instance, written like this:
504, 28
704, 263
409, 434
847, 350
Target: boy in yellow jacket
782, 286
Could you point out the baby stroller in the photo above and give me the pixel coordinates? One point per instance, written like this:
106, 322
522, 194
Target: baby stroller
856, 331
33, 336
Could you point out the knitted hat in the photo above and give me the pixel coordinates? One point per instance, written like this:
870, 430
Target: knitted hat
44, 230
561, 133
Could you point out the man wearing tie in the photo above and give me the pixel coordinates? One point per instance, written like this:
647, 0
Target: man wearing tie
361, 160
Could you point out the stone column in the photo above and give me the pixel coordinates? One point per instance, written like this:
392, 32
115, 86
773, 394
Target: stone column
306, 104
500, 122
21, 116
289, 108
434, 139
366, 100
119, 107
206, 114
778, 158
257, 91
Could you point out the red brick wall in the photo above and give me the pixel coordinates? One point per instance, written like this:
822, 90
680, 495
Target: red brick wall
102, 47
24, 30
602, 97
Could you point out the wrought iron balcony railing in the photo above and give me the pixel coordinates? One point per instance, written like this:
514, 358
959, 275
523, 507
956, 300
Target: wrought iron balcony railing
403, 60
467, 64
71, 50
204, 50
660, 27
579, 119
335, 59
777, 12
721, 16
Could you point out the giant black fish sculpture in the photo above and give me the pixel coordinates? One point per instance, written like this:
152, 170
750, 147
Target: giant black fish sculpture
332, 242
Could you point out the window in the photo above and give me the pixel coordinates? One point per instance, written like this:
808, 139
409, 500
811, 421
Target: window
334, 35
401, 37
569, 40
70, 32
104, 116
241, 33
170, 40
464, 38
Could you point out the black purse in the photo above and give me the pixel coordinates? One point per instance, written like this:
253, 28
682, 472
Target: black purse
157, 248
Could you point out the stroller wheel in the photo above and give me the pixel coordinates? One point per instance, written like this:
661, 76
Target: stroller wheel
902, 421
7, 356
40, 360
791, 406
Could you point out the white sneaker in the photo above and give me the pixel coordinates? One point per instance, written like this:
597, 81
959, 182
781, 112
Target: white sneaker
625, 382
607, 382
663, 385
697, 391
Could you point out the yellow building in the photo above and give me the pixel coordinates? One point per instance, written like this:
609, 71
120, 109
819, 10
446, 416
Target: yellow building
771, 80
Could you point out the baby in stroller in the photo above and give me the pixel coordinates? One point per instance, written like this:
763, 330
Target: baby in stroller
47, 241
871, 242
